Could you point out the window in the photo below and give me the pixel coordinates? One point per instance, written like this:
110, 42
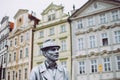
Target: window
64, 63
10, 43
9, 57
5, 58
4, 72
26, 52
63, 28
115, 15
27, 36
19, 74
26, 73
0, 46
14, 56
80, 43
102, 18
20, 54
51, 17
15, 41
51, 31
104, 39
82, 67
90, 21
8, 75
118, 62
3, 44
92, 42
40, 52
79, 24
95, 5
13, 75
107, 64
41, 34
21, 39
93, 66
117, 36
63, 45
20, 20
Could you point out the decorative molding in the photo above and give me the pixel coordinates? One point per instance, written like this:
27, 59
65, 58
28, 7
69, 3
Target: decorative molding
98, 29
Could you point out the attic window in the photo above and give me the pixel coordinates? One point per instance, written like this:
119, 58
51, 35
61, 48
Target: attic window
20, 20
51, 17
95, 5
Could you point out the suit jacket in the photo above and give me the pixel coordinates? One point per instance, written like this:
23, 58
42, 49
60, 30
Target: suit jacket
41, 73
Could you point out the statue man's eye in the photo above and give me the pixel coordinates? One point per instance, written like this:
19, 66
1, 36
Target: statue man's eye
54, 49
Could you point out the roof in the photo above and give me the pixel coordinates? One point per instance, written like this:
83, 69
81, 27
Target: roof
116, 2
11, 25
4, 19
51, 6
19, 12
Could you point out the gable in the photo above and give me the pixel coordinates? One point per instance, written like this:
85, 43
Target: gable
51, 7
20, 11
95, 6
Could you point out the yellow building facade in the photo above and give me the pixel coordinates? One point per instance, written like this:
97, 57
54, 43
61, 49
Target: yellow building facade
54, 25
20, 46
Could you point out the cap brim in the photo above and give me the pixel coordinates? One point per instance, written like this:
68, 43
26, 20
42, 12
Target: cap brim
44, 48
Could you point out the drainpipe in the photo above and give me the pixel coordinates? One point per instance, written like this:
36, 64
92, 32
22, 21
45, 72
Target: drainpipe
32, 49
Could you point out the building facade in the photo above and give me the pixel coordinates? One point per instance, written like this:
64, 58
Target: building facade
96, 41
20, 46
5, 28
54, 25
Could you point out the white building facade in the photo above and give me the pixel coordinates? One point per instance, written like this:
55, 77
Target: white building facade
54, 25
5, 28
21, 46
96, 41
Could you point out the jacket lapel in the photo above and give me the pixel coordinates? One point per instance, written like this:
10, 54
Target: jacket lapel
59, 73
45, 73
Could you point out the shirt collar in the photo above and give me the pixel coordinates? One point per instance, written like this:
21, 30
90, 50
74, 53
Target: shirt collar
49, 66
44, 68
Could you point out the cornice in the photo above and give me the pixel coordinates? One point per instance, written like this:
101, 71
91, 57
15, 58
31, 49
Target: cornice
94, 13
98, 29
95, 54
12, 35
51, 23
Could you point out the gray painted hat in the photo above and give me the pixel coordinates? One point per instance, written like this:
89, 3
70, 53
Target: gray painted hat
49, 43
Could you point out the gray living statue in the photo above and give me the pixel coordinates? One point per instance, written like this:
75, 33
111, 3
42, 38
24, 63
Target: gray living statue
49, 69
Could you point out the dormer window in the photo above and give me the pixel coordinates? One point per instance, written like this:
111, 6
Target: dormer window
20, 20
51, 17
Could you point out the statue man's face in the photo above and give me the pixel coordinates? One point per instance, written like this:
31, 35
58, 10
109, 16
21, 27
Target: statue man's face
52, 53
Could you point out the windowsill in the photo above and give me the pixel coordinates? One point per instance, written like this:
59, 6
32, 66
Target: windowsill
41, 37
90, 26
104, 45
82, 74
63, 32
51, 34
106, 71
79, 28
103, 23
115, 20
93, 48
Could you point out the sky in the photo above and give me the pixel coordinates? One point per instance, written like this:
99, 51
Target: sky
10, 7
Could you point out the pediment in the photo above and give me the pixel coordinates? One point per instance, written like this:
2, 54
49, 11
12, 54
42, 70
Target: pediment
19, 12
95, 6
51, 7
